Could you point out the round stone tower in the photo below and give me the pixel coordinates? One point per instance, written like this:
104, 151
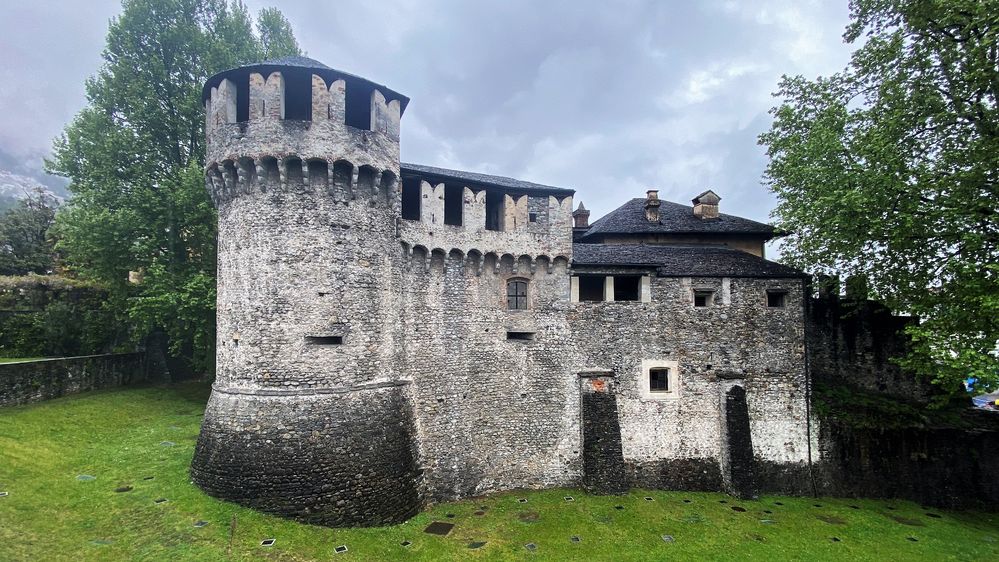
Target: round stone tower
308, 417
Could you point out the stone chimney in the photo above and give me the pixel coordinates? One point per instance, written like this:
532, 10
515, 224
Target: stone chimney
706, 205
652, 205
581, 217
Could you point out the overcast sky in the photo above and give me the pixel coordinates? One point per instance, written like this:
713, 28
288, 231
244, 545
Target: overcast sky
609, 98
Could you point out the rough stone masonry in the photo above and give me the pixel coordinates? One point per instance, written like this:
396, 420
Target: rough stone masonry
394, 334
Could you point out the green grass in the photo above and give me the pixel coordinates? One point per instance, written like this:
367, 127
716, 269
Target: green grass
20, 359
116, 436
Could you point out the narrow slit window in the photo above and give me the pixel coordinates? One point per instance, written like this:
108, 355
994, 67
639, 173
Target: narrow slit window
702, 299
520, 336
776, 299
516, 294
659, 380
324, 340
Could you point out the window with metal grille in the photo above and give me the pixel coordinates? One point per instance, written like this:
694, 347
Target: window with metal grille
659, 380
516, 294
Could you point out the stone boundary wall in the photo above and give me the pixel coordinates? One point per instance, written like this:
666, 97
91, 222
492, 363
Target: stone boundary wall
43, 379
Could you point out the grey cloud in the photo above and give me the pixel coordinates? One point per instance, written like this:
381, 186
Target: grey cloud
609, 98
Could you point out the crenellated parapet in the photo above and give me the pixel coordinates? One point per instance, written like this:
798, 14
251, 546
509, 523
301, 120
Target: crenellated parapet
310, 111
515, 233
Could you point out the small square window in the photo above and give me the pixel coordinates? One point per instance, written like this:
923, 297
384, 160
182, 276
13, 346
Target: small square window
533, 217
659, 380
776, 299
702, 299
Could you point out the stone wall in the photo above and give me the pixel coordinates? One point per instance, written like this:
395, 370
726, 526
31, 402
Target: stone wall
492, 413
677, 440
44, 379
853, 342
950, 467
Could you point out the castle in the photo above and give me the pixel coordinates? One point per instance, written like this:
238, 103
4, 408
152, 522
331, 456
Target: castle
393, 334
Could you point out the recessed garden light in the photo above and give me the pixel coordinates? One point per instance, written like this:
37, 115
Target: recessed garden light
531, 546
575, 538
668, 538
476, 545
405, 544
267, 542
200, 524
340, 549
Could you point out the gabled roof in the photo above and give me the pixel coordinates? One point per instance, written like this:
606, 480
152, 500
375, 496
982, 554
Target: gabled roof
681, 261
471, 178
673, 218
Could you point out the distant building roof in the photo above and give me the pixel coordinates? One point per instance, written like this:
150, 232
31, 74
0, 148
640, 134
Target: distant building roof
673, 218
472, 178
682, 261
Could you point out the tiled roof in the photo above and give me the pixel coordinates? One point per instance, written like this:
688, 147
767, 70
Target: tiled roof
444, 174
673, 218
681, 261
294, 60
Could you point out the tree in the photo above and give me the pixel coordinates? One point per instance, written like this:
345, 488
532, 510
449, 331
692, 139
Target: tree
888, 171
135, 154
276, 37
24, 244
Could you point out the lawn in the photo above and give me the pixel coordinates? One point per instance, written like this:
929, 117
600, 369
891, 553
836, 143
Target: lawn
20, 359
62, 461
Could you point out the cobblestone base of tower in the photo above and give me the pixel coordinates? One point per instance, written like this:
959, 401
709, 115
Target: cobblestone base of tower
339, 459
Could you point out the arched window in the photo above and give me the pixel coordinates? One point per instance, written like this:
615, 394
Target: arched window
516, 294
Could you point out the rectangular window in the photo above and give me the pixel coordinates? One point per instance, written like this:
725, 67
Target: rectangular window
516, 295
520, 336
776, 299
533, 217
659, 380
627, 287
411, 199
324, 340
591, 288
703, 299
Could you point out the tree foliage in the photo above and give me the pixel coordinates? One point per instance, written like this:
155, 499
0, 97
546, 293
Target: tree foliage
24, 243
135, 155
888, 170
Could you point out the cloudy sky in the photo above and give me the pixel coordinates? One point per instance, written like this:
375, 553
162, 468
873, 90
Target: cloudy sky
609, 98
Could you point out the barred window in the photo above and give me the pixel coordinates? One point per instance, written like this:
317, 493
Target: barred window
516, 294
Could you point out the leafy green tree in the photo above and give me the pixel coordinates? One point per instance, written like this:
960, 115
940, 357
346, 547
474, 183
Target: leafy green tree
24, 245
888, 170
276, 37
134, 157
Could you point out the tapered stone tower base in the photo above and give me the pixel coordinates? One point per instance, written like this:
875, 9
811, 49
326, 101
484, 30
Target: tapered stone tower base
334, 459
